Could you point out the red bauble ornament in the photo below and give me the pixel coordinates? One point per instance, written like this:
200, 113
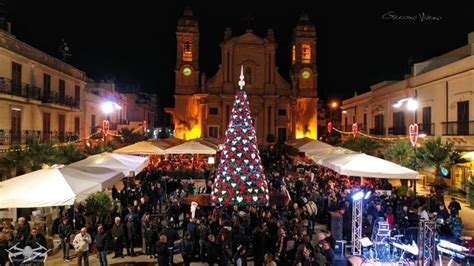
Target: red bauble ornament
236, 178
245, 170
239, 161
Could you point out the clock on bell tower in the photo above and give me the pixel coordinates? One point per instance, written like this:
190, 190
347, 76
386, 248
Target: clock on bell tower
187, 54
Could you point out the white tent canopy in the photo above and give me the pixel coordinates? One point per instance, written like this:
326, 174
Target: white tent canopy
318, 155
296, 143
360, 164
142, 148
191, 147
47, 187
119, 162
314, 145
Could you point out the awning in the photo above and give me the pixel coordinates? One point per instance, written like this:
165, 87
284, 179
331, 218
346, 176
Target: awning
314, 145
119, 162
360, 164
47, 187
317, 155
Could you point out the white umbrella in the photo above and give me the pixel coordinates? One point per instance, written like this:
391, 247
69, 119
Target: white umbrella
142, 148
360, 164
191, 147
119, 162
47, 187
314, 145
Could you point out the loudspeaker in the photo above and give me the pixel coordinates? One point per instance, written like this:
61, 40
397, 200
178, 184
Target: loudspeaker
339, 248
336, 225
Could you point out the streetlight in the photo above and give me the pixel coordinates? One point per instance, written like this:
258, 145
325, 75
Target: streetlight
108, 107
332, 105
412, 105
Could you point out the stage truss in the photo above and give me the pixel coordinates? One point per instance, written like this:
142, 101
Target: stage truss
426, 242
356, 227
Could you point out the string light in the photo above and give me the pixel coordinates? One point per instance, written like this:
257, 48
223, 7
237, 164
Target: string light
369, 136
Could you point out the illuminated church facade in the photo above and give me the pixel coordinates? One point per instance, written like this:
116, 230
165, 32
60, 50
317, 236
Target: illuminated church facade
281, 110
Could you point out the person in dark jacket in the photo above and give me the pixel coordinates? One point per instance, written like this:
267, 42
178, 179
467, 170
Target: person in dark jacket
187, 249
212, 250
65, 231
130, 236
102, 245
118, 232
36, 238
23, 230
171, 237
162, 251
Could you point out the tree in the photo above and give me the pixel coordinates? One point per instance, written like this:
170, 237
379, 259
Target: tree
401, 152
240, 178
361, 144
70, 153
15, 158
39, 153
98, 205
97, 148
130, 137
434, 153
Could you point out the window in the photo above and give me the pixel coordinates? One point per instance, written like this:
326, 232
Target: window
15, 125
306, 53
379, 125
77, 126
293, 54
248, 76
92, 124
187, 51
16, 78
463, 118
46, 86
213, 132
281, 112
77, 93
213, 111
46, 126
365, 121
281, 134
426, 127
61, 128
398, 123
62, 90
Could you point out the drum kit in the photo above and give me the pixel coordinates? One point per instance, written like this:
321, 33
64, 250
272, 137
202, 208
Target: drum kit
387, 248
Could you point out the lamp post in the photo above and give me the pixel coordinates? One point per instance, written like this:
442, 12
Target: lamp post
332, 105
412, 105
107, 108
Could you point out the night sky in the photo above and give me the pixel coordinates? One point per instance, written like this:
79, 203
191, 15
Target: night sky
134, 41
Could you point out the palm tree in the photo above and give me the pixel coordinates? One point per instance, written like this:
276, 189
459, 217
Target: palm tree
436, 154
16, 158
40, 153
130, 137
401, 152
70, 153
361, 144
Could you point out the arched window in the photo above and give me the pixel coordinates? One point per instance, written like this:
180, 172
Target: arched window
306, 53
248, 76
293, 54
187, 51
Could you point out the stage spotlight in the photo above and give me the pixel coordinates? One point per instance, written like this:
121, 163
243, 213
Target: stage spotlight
358, 195
367, 195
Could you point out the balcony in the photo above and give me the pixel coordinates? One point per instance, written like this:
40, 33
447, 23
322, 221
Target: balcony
428, 129
55, 98
397, 130
377, 131
7, 137
458, 128
10, 87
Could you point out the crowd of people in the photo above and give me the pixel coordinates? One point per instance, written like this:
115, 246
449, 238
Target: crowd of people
149, 216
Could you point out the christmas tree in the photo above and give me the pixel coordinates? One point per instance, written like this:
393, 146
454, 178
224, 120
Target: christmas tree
240, 178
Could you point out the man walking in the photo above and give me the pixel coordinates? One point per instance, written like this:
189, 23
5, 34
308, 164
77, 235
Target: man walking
81, 245
102, 245
65, 231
